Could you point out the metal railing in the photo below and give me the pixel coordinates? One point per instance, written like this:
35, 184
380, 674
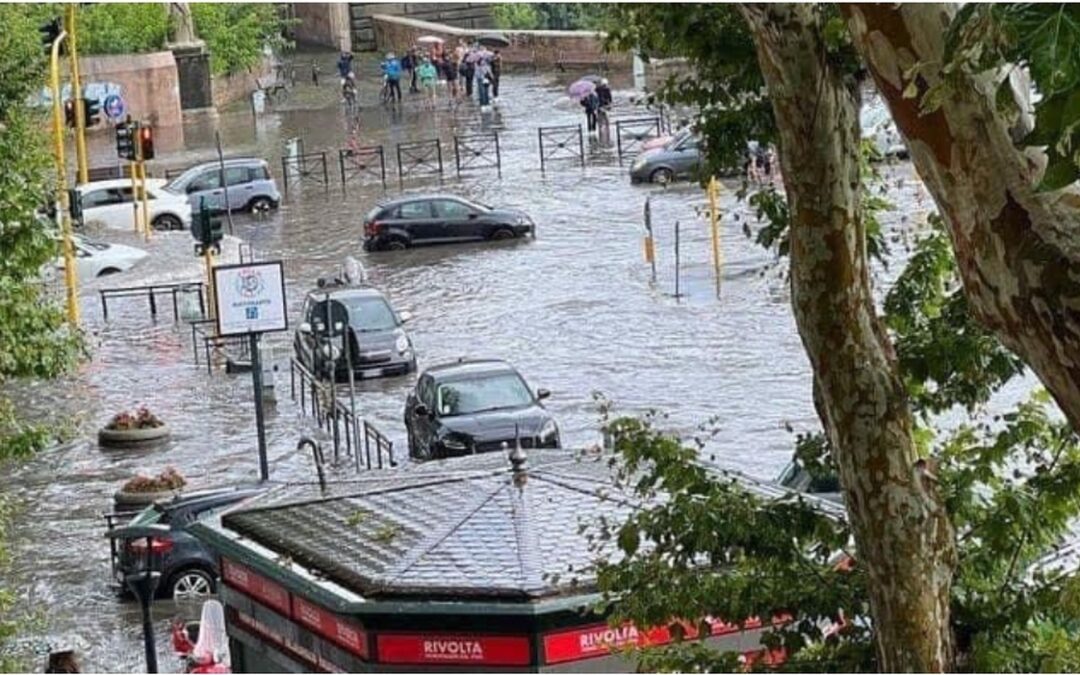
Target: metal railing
368, 161
365, 443
562, 142
151, 293
631, 134
310, 167
419, 158
477, 151
235, 348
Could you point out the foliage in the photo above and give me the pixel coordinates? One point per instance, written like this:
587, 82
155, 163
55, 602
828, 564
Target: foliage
169, 479
716, 548
142, 418
550, 16
237, 33
18, 438
1044, 39
123, 28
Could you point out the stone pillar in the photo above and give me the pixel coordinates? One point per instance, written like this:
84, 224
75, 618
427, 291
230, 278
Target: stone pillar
193, 69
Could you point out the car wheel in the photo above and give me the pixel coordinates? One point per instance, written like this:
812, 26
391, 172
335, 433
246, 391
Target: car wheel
661, 175
167, 221
107, 271
503, 233
396, 244
193, 584
260, 205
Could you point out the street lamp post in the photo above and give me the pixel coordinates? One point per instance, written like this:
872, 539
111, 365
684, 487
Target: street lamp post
143, 581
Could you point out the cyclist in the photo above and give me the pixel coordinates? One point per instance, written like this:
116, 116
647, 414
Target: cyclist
344, 66
391, 70
348, 89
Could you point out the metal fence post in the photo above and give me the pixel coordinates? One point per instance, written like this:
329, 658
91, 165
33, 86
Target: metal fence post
438, 150
457, 154
540, 136
581, 144
498, 155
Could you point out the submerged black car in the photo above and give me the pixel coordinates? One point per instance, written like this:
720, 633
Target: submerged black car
440, 219
470, 407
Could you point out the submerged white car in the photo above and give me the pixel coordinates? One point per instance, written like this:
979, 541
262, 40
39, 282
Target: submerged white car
108, 204
95, 259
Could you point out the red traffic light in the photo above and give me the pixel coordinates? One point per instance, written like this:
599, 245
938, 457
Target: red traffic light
146, 142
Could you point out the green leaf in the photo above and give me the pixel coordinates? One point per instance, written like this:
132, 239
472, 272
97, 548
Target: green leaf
1060, 172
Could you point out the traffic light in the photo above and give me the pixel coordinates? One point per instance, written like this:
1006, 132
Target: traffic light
75, 207
207, 231
146, 142
69, 112
125, 140
49, 32
91, 111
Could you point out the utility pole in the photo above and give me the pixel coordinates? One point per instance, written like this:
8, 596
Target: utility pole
714, 221
77, 95
70, 279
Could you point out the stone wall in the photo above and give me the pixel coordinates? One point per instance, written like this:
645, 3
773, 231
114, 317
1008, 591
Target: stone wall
322, 23
457, 14
147, 83
528, 48
229, 88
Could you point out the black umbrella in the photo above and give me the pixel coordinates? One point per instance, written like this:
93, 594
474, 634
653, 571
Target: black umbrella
595, 79
493, 40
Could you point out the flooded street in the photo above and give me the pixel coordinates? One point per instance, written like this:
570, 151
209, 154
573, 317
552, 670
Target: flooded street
574, 310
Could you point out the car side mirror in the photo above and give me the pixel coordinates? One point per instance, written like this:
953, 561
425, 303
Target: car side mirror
473, 215
421, 410
305, 328
191, 189
405, 316
541, 394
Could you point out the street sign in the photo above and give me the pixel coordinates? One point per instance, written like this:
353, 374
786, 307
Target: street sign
250, 298
114, 107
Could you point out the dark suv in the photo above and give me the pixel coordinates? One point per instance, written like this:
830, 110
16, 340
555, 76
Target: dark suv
440, 219
188, 569
361, 317
470, 407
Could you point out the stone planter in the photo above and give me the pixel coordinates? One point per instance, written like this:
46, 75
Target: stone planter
129, 437
139, 499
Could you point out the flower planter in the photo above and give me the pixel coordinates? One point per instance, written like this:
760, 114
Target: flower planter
133, 499
127, 437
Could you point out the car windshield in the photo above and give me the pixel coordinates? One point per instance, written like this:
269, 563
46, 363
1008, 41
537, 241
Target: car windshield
91, 244
368, 315
677, 139
479, 394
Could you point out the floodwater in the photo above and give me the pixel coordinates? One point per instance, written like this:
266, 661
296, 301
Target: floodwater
575, 310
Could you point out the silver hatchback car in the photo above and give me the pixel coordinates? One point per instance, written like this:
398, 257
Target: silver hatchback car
678, 158
250, 185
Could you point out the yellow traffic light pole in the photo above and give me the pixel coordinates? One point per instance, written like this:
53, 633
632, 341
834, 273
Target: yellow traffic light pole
70, 279
145, 199
133, 169
714, 221
76, 95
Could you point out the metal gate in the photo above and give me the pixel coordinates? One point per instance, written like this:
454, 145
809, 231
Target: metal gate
310, 168
419, 158
559, 143
477, 151
631, 134
362, 163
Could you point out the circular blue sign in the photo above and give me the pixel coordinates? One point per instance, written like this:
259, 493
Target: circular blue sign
114, 106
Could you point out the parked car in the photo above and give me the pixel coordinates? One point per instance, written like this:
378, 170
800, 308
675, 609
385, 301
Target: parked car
378, 343
439, 219
188, 569
95, 259
469, 407
680, 158
251, 187
108, 204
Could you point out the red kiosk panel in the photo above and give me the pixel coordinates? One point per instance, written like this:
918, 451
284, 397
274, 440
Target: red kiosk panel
258, 587
328, 625
454, 649
598, 640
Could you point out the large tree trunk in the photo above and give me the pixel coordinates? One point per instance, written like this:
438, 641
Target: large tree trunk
903, 535
1017, 249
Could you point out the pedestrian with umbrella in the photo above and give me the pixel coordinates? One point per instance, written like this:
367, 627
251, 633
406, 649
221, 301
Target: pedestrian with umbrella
496, 74
468, 70
483, 78
585, 92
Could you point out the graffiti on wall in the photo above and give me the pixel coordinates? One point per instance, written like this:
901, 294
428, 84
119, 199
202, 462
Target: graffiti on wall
109, 95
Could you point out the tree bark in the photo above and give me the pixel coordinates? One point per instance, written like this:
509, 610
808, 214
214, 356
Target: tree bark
1016, 249
903, 536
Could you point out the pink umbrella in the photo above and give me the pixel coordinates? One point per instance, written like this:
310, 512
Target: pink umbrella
581, 89
429, 40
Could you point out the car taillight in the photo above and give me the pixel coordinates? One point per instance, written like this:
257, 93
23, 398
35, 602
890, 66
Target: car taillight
158, 546
373, 228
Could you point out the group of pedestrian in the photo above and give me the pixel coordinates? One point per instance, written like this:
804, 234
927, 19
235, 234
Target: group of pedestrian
597, 103
466, 68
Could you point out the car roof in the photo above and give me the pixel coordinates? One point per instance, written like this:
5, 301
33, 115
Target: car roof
415, 198
345, 292
468, 368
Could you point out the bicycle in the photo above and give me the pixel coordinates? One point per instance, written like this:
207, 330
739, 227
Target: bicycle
386, 94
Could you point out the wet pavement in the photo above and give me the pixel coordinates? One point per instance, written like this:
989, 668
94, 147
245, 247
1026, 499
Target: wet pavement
575, 310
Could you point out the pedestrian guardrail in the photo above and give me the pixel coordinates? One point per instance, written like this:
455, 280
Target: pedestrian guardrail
561, 142
631, 134
419, 158
309, 167
236, 349
368, 447
359, 163
151, 293
477, 151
